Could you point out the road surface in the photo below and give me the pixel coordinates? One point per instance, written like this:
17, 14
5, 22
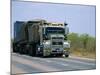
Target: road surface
21, 64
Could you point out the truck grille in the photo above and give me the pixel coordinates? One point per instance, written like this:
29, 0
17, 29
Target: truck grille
57, 43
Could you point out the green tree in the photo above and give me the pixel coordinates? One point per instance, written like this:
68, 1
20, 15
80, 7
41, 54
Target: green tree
84, 39
73, 37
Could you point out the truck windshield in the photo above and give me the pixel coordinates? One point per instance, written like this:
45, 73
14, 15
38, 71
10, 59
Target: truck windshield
54, 30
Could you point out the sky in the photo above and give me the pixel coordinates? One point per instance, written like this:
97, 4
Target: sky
80, 18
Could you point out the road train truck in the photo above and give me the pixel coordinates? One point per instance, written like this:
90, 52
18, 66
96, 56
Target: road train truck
41, 38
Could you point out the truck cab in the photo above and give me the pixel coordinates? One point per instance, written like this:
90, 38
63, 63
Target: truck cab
53, 40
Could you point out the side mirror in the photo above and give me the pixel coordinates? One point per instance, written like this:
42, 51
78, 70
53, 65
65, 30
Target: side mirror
66, 30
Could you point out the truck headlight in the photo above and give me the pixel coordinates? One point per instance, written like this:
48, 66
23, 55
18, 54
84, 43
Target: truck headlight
46, 47
38, 48
66, 45
46, 44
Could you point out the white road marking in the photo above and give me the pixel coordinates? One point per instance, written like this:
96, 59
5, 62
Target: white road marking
64, 64
76, 61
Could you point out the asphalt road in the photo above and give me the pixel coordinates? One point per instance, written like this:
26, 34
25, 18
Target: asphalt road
26, 64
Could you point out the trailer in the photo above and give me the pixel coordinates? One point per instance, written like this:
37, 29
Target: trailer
41, 38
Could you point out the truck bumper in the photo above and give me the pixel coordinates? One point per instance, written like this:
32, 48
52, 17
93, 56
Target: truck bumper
57, 52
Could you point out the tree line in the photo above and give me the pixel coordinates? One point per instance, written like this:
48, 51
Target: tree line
82, 43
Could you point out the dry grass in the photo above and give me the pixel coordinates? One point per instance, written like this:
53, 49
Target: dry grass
84, 53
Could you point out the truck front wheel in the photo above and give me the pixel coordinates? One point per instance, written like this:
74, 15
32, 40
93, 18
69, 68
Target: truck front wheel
66, 55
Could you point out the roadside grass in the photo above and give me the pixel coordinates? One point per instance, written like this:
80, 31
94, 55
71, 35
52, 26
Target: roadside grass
83, 53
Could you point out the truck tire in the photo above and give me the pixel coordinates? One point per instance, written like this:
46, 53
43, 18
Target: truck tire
66, 55
20, 50
15, 49
26, 51
30, 51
